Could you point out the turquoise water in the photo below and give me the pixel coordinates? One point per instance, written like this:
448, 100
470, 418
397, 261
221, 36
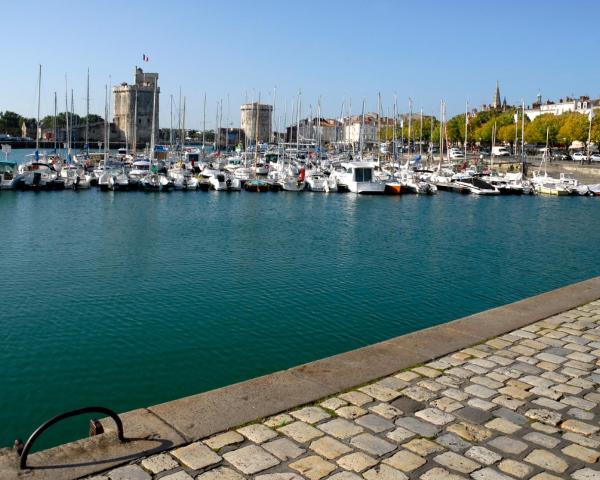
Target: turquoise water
130, 299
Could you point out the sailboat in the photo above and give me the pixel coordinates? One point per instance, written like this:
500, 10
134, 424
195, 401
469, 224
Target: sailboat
154, 181
545, 184
254, 184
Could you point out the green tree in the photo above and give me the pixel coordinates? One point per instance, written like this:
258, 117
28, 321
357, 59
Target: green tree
574, 126
10, 123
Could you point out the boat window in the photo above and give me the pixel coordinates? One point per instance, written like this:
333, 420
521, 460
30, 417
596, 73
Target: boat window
363, 174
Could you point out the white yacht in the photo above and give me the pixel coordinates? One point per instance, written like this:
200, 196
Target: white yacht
358, 177
8, 175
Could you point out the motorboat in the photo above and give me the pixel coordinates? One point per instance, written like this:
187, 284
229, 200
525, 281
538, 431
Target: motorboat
224, 182
9, 175
256, 185
119, 182
477, 186
358, 177
156, 182
139, 169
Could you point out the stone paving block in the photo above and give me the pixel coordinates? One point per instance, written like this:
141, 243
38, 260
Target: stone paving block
446, 404
407, 405
578, 402
333, 403
487, 382
545, 416
515, 392
301, 432
374, 423
542, 439
482, 455
549, 403
473, 415
329, 447
542, 427
275, 476
590, 442
508, 445
310, 414
514, 468
577, 426
435, 416
400, 434
452, 442
502, 425
371, 444
223, 439
283, 449
489, 474
586, 474
545, 476
405, 461
455, 394
181, 475
129, 472
356, 398
341, 428
427, 372
313, 467
419, 427
380, 393
224, 473
438, 473
547, 460
350, 412
386, 410
392, 382
423, 447
419, 394
581, 453
508, 402
356, 462
196, 456
278, 421
251, 459
510, 415
159, 463
257, 433
345, 476
470, 432
407, 376
453, 461
431, 385
551, 393
384, 472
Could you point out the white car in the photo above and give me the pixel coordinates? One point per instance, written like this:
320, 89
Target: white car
595, 157
456, 153
579, 157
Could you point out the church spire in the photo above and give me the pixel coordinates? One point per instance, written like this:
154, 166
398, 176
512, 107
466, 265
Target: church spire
497, 101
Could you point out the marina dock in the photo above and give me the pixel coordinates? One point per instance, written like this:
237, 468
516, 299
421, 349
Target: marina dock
507, 393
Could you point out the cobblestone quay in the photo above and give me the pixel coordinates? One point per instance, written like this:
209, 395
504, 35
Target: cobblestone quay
521, 405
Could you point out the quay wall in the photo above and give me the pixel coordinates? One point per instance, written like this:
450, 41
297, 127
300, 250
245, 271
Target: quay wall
185, 420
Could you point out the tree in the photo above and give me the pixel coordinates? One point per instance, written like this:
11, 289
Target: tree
574, 127
10, 123
535, 132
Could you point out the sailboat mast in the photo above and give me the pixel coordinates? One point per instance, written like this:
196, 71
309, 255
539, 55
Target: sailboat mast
466, 127
256, 135
72, 117
37, 124
105, 123
68, 133
523, 164
183, 126
54, 123
171, 124
394, 146
87, 114
135, 139
203, 121
361, 133
410, 112
152, 134
298, 125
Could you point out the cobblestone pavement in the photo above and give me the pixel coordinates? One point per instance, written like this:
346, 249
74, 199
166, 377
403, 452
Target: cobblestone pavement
521, 406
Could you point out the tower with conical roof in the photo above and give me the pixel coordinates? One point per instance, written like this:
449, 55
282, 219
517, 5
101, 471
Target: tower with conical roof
497, 102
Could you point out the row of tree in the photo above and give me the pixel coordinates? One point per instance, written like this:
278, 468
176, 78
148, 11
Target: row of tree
11, 123
563, 129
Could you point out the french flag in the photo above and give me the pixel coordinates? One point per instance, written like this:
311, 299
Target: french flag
145, 57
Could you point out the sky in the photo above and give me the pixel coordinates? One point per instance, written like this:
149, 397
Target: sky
338, 51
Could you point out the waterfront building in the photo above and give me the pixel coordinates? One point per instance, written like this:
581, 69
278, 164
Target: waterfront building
125, 107
255, 116
354, 128
583, 104
325, 130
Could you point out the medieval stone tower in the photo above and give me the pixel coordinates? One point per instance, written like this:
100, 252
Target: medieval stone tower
138, 123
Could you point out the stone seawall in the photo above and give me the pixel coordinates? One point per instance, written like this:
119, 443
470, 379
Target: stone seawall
453, 416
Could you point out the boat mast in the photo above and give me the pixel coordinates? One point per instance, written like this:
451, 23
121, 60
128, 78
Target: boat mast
256, 135
37, 123
105, 123
410, 112
421, 133
378, 135
67, 131
466, 128
394, 146
87, 114
361, 132
493, 145
135, 139
203, 122
298, 125
171, 124
523, 163
152, 134
72, 117
54, 124
183, 127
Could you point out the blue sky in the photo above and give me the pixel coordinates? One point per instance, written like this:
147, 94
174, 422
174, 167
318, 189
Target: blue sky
335, 49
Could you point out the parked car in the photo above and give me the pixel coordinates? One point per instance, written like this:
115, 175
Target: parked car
500, 152
559, 156
579, 157
456, 153
595, 157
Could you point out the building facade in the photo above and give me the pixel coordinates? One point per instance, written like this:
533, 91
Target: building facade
582, 105
133, 122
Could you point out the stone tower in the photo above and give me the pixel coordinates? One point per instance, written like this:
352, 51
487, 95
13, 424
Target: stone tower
250, 113
497, 103
125, 111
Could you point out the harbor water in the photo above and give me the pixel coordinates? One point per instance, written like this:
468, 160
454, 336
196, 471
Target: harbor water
131, 299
